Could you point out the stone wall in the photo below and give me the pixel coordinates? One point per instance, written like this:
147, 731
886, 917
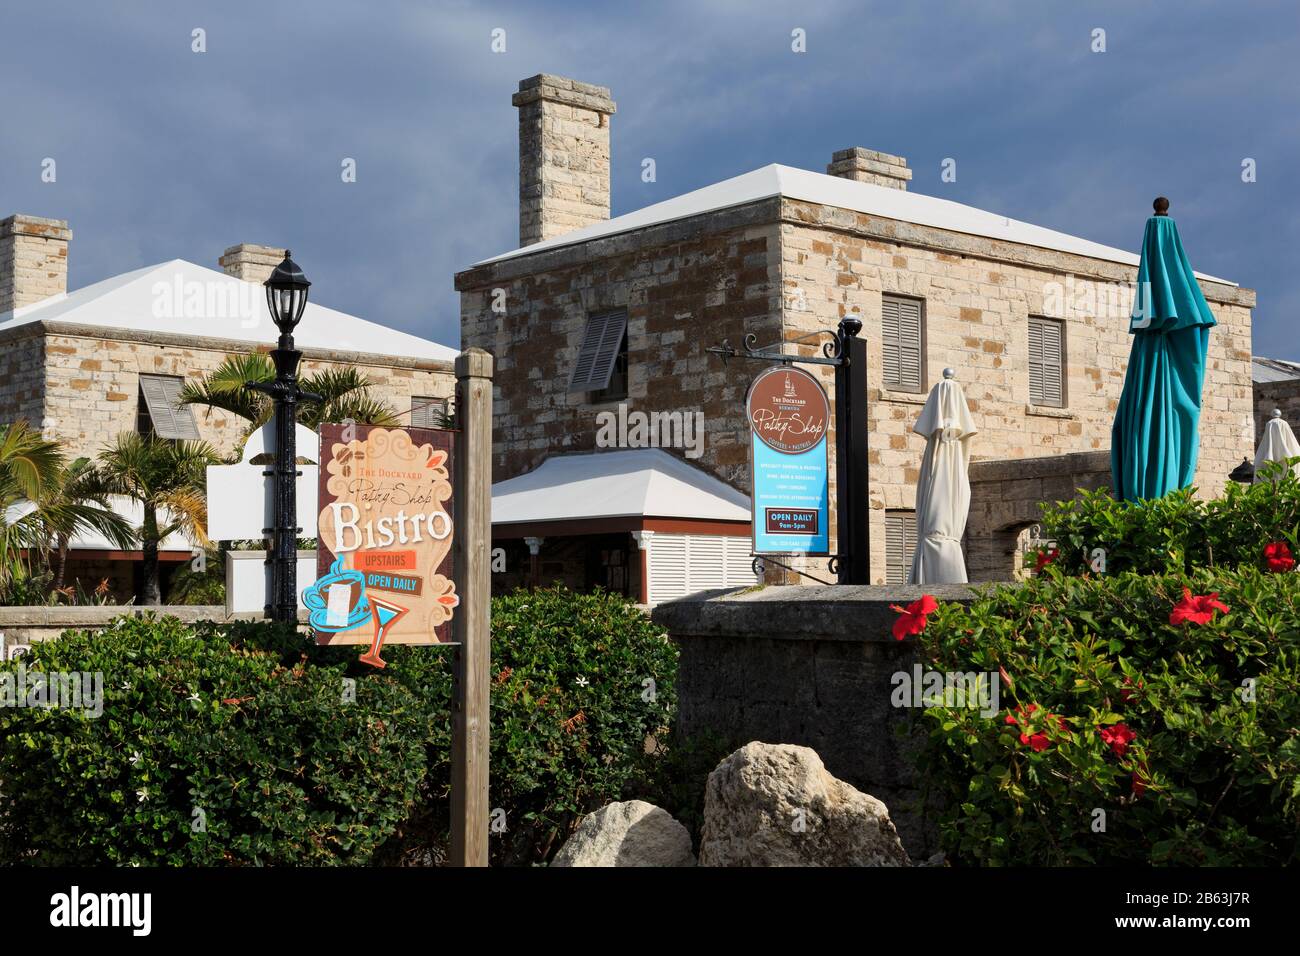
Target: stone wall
23, 625
22, 378
1270, 395
563, 156
978, 296
91, 388
784, 268
33, 260
684, 289
1005, 503
810, 666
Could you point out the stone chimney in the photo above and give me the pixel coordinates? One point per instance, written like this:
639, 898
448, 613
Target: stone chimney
869, 166
563, 156
251, 263
33, 260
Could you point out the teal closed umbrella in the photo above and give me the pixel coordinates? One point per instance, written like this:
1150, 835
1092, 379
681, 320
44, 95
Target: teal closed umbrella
1153, 443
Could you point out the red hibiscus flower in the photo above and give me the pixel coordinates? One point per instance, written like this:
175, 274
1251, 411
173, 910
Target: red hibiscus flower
913, 618
1045, 558
1278, 556
1034, 729
1117, 737
1196, 608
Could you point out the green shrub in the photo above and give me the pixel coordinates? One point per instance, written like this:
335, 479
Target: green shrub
1178, 532
286, 773
204, 754
1210, 777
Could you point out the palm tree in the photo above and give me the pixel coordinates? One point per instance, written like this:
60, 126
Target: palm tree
346, 391
45, 502
167, 478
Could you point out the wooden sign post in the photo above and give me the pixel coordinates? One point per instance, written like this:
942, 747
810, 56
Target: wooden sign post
471, 553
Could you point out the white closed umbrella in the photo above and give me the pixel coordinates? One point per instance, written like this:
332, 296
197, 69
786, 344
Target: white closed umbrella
1278, 444
943, 491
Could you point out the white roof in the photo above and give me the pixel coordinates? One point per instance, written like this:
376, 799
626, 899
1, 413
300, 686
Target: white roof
802, 184
182, 298
91, 540
642, 482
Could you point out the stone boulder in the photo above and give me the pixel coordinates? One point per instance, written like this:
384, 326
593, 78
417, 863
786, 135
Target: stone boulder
634, 833
776, 805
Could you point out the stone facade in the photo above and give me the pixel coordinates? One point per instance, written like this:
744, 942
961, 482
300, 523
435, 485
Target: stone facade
869, 166
563, 156
33, 260
783, 268
86, 390
1005, 500
1284, 395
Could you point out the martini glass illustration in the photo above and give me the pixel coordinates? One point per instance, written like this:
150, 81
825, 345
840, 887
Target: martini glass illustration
386, 614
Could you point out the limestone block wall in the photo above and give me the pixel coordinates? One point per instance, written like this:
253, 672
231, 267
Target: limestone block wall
1270, 395
685, 289
22, 361
978, 296
91, 383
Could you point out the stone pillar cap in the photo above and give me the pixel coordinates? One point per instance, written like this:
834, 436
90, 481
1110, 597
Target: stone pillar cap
561, 89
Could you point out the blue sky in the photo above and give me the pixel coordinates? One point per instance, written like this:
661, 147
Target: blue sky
164, 153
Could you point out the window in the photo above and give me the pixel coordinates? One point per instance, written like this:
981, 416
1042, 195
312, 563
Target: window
1046, 361
900, 543
428, 412
902, 344
604, 350
160, 411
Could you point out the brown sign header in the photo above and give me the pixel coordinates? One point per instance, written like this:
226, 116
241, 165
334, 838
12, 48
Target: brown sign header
787, 409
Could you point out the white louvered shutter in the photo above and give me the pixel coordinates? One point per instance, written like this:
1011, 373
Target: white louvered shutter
706, 564
600, 347
427, 412
739, 562
667, 568
170, 418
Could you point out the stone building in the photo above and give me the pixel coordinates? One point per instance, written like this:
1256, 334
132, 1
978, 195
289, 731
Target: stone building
83, 366
592, 313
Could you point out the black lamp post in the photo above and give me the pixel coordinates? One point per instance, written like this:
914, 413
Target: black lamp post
286, 298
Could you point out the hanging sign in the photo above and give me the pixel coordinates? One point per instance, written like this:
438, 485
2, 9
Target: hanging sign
385, 536
788, 415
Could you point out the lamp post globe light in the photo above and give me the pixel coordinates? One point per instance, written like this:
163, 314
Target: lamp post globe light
286, 298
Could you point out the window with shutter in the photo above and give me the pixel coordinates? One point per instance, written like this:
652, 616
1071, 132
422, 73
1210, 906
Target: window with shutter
900, 543
1046, 361
428, 412
681, 564
902, 344
166, 416
601, 345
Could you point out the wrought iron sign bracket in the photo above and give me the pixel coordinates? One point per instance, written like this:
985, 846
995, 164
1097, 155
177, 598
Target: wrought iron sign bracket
832, 565
772, 353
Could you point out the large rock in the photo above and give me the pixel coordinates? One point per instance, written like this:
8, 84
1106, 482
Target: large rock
635, 833
776, 805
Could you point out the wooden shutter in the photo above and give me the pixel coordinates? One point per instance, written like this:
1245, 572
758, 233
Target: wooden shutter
427, 412
739, 562
900, 544
667, 567
1046, 362
601, 344
170, 419
901, 344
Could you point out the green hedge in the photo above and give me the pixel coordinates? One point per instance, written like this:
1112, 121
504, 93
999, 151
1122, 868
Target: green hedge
1178, 532
285, 772
1209, 777
205, 753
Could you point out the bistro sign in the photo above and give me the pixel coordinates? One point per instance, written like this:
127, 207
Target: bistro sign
385, 538
788, 415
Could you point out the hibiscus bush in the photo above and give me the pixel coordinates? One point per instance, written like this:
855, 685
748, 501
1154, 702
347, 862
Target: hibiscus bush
1143, 719
1250, 525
